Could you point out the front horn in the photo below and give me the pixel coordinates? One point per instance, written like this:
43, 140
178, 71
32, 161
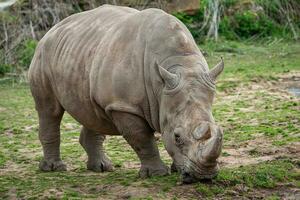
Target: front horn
213, 148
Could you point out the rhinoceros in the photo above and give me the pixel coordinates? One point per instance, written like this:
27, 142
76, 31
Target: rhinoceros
120, 71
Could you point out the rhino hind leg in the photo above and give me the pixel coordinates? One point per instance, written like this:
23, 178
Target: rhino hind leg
141, 138
92, 142
50, 113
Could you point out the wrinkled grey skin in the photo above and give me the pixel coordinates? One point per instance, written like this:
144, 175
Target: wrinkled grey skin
119, 71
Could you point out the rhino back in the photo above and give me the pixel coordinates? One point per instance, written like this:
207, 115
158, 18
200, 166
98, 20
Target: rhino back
104, 60
64, 59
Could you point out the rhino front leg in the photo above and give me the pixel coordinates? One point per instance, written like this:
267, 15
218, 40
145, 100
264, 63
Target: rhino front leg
92, 142
141, 138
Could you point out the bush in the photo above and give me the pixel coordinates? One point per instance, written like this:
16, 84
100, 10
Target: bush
193, 23
243, 20
247, 24
4, 68
226, 30
25, 53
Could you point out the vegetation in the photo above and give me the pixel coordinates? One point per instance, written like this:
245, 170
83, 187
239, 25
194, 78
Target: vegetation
27, 21
240, 20
261, 122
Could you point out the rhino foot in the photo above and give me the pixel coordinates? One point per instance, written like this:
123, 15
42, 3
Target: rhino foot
52, 165
100, 165
148, 171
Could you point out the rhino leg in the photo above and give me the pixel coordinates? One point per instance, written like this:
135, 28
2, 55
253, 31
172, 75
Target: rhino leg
141, 138
92, 142
50, 113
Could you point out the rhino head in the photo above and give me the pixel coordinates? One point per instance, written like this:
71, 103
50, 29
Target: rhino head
189, 132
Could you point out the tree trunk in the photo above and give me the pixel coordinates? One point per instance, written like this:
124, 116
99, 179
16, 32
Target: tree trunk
213, 6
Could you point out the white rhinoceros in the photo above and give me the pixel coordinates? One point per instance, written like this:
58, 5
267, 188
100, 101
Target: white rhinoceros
120, 71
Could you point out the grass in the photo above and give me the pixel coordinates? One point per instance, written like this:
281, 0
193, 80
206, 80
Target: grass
258, 60
259, 118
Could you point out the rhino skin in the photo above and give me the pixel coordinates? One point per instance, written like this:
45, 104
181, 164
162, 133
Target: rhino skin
120, 71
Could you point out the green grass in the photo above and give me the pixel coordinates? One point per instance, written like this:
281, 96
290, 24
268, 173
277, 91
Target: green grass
264, 175
248, 61
250, 105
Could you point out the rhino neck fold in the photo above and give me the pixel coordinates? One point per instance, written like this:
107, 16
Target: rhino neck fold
151, 104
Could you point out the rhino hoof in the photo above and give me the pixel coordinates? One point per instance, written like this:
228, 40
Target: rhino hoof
102, 166
146, 172
48, 166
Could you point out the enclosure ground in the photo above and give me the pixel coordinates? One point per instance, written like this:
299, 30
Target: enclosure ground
260, 159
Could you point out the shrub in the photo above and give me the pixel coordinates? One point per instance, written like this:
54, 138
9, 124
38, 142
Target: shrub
25, 53
4, 68
243, 20
193, 23
226, 30
22, 54
248, 24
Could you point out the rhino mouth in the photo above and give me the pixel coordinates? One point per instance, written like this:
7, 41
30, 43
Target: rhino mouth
203, 164
193, 172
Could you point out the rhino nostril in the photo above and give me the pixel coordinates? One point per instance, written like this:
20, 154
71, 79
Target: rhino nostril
177, 136
202, 132
178, 139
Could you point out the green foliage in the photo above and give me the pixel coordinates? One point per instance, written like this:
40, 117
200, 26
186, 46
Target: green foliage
248, 23
226, 30
193, 23
281, 10
8, 17
241, 22
4, 68
23, 54
229, 3
26, 52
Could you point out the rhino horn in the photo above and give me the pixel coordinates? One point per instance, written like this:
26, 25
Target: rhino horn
216, 71
213, 148
171, 80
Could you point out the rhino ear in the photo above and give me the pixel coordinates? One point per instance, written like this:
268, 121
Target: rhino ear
216, 71
171, 80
